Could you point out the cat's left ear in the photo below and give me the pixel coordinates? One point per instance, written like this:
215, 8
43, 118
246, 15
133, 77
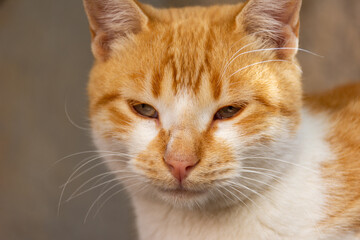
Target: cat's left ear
110, 20
275, 21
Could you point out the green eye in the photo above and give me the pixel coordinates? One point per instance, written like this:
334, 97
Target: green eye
226, 112
146, 110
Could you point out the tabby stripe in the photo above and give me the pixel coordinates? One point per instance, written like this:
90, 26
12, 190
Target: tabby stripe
105, 100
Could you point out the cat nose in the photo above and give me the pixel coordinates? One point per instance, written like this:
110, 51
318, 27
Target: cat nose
181, 165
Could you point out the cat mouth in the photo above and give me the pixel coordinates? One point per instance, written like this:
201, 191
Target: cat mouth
182, 192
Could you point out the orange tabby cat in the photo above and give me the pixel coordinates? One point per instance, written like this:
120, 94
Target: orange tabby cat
203, 109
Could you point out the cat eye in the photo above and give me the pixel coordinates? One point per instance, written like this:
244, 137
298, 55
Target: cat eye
226, 112
146, 110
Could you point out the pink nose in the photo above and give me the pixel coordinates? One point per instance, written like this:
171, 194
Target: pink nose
180, 165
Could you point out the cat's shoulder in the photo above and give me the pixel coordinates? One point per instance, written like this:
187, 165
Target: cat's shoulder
344, 99
341, 106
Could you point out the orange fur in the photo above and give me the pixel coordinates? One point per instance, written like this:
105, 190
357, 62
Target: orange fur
211, 58
342, 105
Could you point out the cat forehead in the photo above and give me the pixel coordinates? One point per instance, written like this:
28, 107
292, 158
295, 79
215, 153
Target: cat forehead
168, 63
187, 50
219, 14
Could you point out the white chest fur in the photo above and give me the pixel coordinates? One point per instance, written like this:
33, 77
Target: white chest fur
292, 211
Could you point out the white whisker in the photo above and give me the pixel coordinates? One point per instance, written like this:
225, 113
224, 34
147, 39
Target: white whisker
72, 122
273, 49
75, 194
79, 153
276, 178
251, 190
101, 195
265, 169
117, 192
232, 59
71, 178
247, 197
97, 176
261, 182
236, 197
262, 62
98, 156
283, 161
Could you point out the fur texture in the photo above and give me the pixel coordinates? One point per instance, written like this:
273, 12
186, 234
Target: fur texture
274, 170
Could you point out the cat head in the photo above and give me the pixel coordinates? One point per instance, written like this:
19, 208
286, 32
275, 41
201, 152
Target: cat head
195, 105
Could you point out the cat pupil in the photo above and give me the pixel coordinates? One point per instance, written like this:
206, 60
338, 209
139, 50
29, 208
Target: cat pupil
145, 107
230, 109
146, 110
226, 112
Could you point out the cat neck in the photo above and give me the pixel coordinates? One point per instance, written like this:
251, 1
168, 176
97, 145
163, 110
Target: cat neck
300, 194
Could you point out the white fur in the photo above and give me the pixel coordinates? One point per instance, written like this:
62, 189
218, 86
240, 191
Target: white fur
141, 136
183, 107
291, 213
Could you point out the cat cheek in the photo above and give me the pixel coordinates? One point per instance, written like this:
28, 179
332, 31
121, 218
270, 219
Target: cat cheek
232, 138
228, 133
141, 136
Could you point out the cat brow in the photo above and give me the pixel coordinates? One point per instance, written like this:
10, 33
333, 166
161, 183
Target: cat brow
106, 99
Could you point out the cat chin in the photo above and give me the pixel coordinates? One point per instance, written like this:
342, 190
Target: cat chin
186, 199
181, 198
181, 193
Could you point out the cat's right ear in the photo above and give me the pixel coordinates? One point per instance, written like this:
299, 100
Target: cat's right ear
110, 20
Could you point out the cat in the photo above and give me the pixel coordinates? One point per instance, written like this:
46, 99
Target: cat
211, 134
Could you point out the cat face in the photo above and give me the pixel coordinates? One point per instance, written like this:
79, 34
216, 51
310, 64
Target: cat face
197, 104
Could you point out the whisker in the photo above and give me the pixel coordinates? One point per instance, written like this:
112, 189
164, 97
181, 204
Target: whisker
262, 62
71, 178
237, 190
101, 195
91, 188
101, 156
231, 58
222, 195
251, 190
246, 36
283, 161
265, 169
79, 153
197, 204
97, 176
273, 49
74, 195
236, 197
71, 121
85, 160
261, 182
276, 178
234, 44
117, 192
100, 179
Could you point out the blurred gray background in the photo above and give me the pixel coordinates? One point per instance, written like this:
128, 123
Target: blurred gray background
44, 62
